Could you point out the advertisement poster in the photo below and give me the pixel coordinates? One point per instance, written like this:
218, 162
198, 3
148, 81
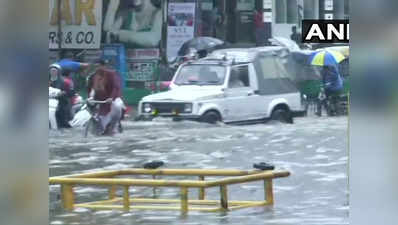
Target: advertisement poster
80, 24
180, 26
136, 24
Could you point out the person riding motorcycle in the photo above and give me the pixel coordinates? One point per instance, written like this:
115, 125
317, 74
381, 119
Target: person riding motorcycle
60, 78
104, 85
332, 85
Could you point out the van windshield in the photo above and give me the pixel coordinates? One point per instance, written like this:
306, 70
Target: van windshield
201, 75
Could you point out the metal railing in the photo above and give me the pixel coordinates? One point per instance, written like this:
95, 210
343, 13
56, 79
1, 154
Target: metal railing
112, 180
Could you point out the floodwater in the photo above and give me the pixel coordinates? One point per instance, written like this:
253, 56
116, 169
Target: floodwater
314, 150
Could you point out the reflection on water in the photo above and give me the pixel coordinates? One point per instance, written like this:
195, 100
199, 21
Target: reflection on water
313, 149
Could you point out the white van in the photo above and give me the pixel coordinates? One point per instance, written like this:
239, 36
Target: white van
230, 85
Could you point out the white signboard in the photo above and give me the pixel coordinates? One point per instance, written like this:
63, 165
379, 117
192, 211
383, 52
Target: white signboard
329, 5
146, 53
245, 5
267, 4
81, 22
267, 17
328, 16
206, 5
181, 26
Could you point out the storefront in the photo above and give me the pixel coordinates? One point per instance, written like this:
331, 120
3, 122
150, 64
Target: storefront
234, 20
231, 20
289, 13
141, 36
127, 33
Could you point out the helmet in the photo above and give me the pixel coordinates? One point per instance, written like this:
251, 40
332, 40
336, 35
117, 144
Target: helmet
54, 70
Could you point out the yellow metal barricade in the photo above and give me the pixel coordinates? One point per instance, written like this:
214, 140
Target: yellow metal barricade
114, 181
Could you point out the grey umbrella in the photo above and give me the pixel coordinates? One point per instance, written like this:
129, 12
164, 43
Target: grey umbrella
199, 44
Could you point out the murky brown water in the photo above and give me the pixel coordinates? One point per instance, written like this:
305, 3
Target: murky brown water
313, 149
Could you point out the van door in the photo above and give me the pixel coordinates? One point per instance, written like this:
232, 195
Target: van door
238, 94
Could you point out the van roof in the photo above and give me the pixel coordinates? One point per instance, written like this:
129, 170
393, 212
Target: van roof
239, 55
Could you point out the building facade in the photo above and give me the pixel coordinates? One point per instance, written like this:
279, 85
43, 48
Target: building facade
141, 37
234, 20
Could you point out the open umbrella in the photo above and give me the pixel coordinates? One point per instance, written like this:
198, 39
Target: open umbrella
199, 44
326, 58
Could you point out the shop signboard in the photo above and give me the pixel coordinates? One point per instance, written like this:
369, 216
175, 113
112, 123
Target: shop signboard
80, 24
146, 53
142, 70
181, 26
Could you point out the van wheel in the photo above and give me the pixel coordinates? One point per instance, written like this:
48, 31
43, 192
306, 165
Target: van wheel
282, 115
210, 117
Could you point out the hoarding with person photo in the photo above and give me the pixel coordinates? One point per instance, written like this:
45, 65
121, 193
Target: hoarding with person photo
135, 23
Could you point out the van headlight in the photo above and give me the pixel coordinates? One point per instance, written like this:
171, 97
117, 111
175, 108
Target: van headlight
188, 108
147, 107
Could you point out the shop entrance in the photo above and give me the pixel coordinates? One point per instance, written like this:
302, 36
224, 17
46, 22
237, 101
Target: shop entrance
230, 20
240, 21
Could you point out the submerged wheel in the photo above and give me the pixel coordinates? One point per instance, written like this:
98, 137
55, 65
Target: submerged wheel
93, 127
87, 128
282, 115
120, 127
211, 117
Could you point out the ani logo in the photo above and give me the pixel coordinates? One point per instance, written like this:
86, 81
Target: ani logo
325, 31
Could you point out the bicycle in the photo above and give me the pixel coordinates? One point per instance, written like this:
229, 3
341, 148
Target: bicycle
94, 123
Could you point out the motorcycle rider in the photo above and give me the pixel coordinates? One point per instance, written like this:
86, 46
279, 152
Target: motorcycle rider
61, 79
332, 83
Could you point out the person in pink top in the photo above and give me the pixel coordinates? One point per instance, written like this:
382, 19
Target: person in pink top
105, 85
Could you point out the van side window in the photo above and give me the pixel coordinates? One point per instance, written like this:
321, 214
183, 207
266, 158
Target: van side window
268, 67
239, 77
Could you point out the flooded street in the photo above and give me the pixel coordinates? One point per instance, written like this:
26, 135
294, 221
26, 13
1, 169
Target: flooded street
314, 150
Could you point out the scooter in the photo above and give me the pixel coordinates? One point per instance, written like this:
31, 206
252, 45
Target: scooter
53, 102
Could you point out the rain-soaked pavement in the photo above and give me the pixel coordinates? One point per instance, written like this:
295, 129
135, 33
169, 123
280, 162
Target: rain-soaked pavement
313, 149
